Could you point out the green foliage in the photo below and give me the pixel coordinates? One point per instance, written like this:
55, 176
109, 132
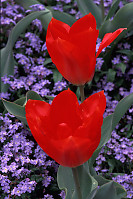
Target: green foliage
122, 19
44, 20
62, 16
86, 7
56, 75
129, 53
33, 95
110, 122
15, 109
113, 9
7, 60
66, 182
111, 75
121, 109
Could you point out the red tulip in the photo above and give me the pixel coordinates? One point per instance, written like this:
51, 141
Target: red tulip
73, 49
68, 132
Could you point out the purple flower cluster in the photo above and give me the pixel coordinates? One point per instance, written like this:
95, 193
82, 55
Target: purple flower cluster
24, 186
18, 158
127, 182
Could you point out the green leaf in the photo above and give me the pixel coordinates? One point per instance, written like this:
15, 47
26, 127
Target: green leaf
86, 7
15, 109
7, 60
109, 123
106, 130
122, 19
106, 191
129, 53
66, 182
122, 67
49, 97
44, 19
62, 16
47, 61
113, 9
56, 75
111, 163
121, 109
105, 136
120, 191
111, 75
21, 101
33, 95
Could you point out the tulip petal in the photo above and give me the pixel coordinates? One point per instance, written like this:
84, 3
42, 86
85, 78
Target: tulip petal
75, 151
83, 24
86, 41
58, 29
59, 130
93, 103
76, 66
38, 112
64, 109
108, 39
91, 128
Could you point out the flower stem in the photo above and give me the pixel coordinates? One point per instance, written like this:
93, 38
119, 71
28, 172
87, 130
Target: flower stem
82, 93
76, 180
102, 8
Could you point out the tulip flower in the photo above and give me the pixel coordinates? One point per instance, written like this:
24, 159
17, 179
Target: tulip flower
67, 131
73, 49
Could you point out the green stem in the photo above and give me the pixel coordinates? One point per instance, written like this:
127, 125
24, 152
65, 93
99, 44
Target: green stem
77, 184
82, 93
102, 8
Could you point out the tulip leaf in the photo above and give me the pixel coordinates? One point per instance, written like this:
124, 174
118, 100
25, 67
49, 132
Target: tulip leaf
113, 9
105, 136
106, 191
7, 59
122, 19
44, 19
49, 97
21, 101
86, 7
121, 109
33, 95
15, 109
66, 182
120, 191
110, 122
106, 130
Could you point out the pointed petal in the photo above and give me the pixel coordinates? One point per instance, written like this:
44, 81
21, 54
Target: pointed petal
38, 112
83, 24
64, 109
108, 39
93, 103
91, 127
58, 29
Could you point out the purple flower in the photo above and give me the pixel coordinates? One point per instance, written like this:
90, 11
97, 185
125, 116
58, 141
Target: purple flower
116, 60
99, 63
109, 86
59, 86
37, 7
